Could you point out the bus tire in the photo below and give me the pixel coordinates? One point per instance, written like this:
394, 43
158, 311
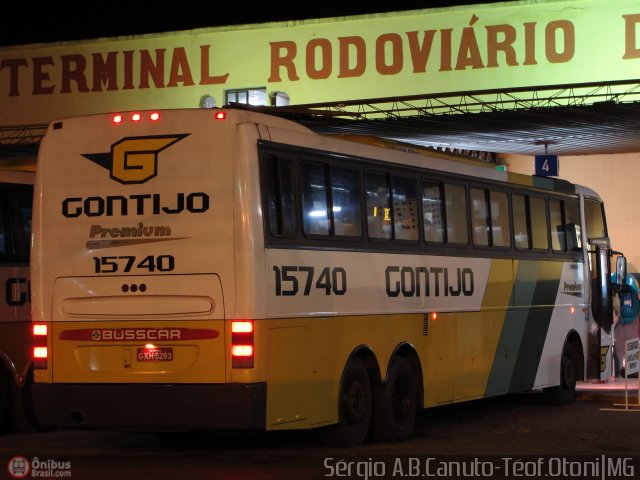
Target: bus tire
565, 392
355, 406
396, 404
23, 410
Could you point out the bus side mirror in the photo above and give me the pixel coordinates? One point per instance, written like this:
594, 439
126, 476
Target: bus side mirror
621, 270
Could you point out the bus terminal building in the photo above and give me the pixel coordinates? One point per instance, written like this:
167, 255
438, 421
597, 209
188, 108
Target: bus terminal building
501, 82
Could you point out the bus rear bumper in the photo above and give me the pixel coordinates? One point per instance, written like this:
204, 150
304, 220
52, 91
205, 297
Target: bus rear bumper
150, 407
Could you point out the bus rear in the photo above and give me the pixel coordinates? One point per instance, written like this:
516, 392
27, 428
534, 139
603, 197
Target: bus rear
135, 254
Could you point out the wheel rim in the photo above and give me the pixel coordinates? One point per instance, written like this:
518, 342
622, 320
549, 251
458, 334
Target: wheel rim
402, 400
355, 402
569, 373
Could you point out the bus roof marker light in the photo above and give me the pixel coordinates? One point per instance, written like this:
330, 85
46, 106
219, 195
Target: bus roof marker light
220, 115
136, 117
117, 118
154, 116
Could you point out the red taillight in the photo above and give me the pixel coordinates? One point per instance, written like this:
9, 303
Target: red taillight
136, 117
39, 330
117, 118
40, 352
220, 115
153, 116
242, 352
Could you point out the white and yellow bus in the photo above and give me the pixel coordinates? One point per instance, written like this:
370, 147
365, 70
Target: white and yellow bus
16, 197
226, 268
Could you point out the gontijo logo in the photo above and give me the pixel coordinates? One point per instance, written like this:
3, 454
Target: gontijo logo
134, 159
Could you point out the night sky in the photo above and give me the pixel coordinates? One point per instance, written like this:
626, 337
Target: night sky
33, 22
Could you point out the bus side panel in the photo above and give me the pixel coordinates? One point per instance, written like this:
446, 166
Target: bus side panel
16, 198
460, 353
529, 326
478, 334
570, 314
15, 321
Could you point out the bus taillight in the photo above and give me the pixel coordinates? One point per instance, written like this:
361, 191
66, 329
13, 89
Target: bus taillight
242, 353
40, 352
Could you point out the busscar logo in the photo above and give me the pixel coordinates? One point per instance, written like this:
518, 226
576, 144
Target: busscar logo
134, 159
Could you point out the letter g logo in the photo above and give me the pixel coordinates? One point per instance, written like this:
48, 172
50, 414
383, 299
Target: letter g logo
135, 159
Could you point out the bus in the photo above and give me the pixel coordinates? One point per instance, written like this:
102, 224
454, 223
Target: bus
208, 269
16, 198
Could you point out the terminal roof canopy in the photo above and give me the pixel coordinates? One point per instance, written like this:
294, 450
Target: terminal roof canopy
577, 119
585, 119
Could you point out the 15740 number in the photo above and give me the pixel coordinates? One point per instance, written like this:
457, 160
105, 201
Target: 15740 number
330, 279
126, 263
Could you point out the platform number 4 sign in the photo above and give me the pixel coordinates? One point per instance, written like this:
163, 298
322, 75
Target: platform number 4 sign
546, 165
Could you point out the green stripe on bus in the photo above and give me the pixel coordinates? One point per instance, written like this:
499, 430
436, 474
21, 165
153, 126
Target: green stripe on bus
516, 361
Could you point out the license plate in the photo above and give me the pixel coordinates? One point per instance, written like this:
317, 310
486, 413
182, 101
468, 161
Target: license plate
162, 354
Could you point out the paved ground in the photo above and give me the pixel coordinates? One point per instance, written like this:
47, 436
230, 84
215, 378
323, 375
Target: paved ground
499, 435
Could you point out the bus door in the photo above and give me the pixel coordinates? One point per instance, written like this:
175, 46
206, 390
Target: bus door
600, 359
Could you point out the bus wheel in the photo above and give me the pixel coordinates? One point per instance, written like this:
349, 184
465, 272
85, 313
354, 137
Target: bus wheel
396, 404
354, 408
565, 392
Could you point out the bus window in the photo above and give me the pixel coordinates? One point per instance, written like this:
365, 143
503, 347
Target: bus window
520, 222
378, 206
455, 197
405, 208
558, 242
19, 222
594, 219
500, 231
539, 228
479, 217
315, 213
280, 196
433, 220
345, 192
